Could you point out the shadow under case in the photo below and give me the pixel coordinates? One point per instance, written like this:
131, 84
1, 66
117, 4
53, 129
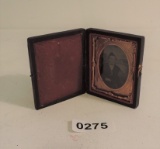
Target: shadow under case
103, 63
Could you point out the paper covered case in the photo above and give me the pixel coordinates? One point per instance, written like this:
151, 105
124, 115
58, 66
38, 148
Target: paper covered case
102, 63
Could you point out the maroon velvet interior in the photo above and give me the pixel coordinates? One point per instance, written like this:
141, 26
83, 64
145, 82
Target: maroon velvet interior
59, 65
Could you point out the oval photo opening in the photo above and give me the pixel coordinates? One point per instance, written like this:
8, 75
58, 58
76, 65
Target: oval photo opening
113, 66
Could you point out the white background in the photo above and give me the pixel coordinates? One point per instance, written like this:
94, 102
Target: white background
22, 127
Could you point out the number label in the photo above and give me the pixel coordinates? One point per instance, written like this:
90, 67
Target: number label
80, 126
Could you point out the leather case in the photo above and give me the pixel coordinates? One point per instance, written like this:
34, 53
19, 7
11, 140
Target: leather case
103, 63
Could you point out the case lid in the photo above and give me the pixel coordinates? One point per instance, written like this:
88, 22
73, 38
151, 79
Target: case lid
57, 64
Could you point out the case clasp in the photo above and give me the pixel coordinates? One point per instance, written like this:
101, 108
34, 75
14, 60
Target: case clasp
139, 70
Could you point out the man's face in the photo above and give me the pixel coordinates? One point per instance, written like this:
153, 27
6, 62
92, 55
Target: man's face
112, 60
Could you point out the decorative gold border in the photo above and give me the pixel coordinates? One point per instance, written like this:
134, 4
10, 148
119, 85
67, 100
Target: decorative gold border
129, 47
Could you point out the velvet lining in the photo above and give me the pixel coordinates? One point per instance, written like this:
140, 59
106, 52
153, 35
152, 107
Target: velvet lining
59, 64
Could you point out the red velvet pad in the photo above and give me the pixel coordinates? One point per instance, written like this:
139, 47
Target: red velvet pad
59, 65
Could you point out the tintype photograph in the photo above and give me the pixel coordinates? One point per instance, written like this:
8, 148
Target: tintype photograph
113, 66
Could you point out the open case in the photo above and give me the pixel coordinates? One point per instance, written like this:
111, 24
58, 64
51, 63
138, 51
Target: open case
103, 63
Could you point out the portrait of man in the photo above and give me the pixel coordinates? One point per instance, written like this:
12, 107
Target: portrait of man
113, 69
